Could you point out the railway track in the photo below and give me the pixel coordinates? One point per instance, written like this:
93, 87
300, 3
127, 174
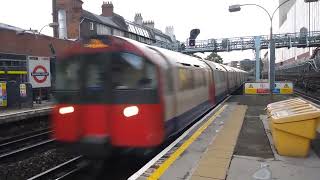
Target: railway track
24, 137
81, 168
308, 96
64, 170
24, 143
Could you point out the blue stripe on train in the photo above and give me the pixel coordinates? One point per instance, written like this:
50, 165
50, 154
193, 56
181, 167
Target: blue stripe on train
176, 124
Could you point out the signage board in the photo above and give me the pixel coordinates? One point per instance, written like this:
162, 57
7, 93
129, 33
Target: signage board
263, 88
39, 73
284, 87
3, 94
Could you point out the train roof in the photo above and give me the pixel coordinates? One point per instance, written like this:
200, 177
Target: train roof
215, 66
176, 58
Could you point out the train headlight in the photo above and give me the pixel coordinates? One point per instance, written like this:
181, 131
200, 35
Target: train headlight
130, 111
66, 110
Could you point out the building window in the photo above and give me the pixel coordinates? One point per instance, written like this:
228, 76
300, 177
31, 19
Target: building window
91, 26
103, 30
117, 32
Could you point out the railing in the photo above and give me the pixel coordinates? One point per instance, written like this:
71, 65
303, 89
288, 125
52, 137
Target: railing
288, 40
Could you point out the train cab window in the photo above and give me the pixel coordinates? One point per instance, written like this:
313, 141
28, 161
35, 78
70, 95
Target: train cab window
68, 76
81, 76
92, 76
130, 71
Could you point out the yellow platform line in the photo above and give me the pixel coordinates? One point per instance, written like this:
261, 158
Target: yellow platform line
167, 163
214, 164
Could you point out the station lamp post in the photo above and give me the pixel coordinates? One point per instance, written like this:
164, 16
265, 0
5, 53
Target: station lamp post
52, 25
237, 7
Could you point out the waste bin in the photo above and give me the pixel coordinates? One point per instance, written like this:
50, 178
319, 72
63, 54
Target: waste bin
293, 129
286, 107
285, 104
292, 107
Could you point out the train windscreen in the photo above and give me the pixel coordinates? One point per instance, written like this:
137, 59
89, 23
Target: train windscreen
94, 77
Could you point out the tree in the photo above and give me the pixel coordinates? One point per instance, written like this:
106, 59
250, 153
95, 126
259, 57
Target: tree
215, 58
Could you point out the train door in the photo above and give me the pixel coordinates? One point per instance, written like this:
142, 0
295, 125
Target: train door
228, 79
168, 81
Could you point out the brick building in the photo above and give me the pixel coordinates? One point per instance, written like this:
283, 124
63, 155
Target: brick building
77, 23
18, 45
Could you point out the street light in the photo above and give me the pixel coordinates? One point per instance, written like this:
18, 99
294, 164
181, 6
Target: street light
53, 24
237, 7
35, 32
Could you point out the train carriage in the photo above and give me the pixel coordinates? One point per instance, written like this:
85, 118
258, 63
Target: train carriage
114, 92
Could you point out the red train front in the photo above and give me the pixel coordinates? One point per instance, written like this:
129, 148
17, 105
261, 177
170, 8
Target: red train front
116, 92
108, 96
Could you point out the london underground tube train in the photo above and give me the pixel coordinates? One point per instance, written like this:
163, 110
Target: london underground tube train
114, 92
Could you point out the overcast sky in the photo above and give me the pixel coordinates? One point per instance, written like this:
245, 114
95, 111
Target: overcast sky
210, 16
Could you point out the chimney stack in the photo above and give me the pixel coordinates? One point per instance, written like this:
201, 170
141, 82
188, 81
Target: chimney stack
170, 32
68, 14
138, 19
149, 24
107, 9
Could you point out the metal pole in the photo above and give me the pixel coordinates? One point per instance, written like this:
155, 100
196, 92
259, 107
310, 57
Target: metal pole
271, 62
309, 27
257, 46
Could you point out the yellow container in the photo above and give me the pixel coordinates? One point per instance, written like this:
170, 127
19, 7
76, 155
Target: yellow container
293, 109
293, 129
285, 104
287, 101
270, 111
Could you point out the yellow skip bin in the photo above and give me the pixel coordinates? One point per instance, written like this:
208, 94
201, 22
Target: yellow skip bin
293, 127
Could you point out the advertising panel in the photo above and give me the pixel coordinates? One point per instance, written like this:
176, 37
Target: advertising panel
3, 94
23, 90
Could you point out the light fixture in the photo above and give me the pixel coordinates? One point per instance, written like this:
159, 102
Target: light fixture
66, 110
130, 111
235, 8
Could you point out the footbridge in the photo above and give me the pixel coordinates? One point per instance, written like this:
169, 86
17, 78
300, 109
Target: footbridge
288, 40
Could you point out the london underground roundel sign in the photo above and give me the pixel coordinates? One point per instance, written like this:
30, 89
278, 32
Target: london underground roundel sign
39, 73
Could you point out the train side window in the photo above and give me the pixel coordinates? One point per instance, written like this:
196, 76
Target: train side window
197, 83
182, 79
185, 79
190, 79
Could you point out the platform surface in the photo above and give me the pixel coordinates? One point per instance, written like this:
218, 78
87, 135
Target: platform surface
11, 115
231, 143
